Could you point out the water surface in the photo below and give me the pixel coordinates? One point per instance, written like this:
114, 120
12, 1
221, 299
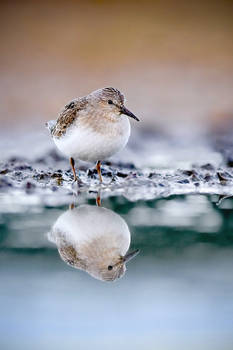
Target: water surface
176, 293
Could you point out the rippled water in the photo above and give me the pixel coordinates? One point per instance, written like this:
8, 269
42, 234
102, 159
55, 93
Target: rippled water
177, 293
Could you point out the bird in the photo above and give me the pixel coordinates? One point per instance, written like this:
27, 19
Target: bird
92, 128
94, 239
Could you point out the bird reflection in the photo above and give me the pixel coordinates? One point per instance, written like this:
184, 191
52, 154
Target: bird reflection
93, 239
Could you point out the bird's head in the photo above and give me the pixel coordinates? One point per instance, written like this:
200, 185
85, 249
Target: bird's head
104, 266
111, 101
113, 268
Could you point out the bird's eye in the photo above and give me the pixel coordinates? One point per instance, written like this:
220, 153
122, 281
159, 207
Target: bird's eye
109, 267
110, 102
71, 262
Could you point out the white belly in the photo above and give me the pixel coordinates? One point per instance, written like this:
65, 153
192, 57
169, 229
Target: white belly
86, 223
86, 144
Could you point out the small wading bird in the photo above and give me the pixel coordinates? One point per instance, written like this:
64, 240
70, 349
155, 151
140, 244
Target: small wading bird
93, 239
92, 128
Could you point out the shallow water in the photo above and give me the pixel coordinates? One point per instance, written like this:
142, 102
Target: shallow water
177, 293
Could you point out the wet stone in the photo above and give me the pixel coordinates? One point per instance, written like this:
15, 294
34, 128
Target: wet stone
120, 174
108, 163
23, 167
226, 174
194, 178
109, 174
221, 178
189, 172
56, 175
17, 173
106, 172
230, 162
3, 172
41, 176
208, 166
29, 185
91, 172
208, 177
185, 181
151, 175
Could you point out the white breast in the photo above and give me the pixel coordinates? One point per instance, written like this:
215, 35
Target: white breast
84, 143
86, 223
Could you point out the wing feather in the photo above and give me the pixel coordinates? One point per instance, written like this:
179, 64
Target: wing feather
67, 116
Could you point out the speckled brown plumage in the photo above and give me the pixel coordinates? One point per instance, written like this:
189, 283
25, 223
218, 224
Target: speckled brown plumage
69, 255
93, 258
68, 116
109, 92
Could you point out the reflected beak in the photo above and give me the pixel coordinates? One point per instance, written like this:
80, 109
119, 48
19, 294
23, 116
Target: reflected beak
130, 255
125, 111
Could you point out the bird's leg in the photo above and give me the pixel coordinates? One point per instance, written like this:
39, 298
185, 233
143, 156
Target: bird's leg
98, 168
71, 206
73, 168
98, 199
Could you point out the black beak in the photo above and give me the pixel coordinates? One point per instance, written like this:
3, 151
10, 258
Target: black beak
125, 111
130, 255
127, 257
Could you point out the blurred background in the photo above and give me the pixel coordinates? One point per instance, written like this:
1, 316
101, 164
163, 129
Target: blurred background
172, 59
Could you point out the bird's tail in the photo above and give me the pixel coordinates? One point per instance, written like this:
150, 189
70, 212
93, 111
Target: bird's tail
50, 125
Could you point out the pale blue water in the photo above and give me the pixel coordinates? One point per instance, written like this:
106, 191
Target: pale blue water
176, 294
